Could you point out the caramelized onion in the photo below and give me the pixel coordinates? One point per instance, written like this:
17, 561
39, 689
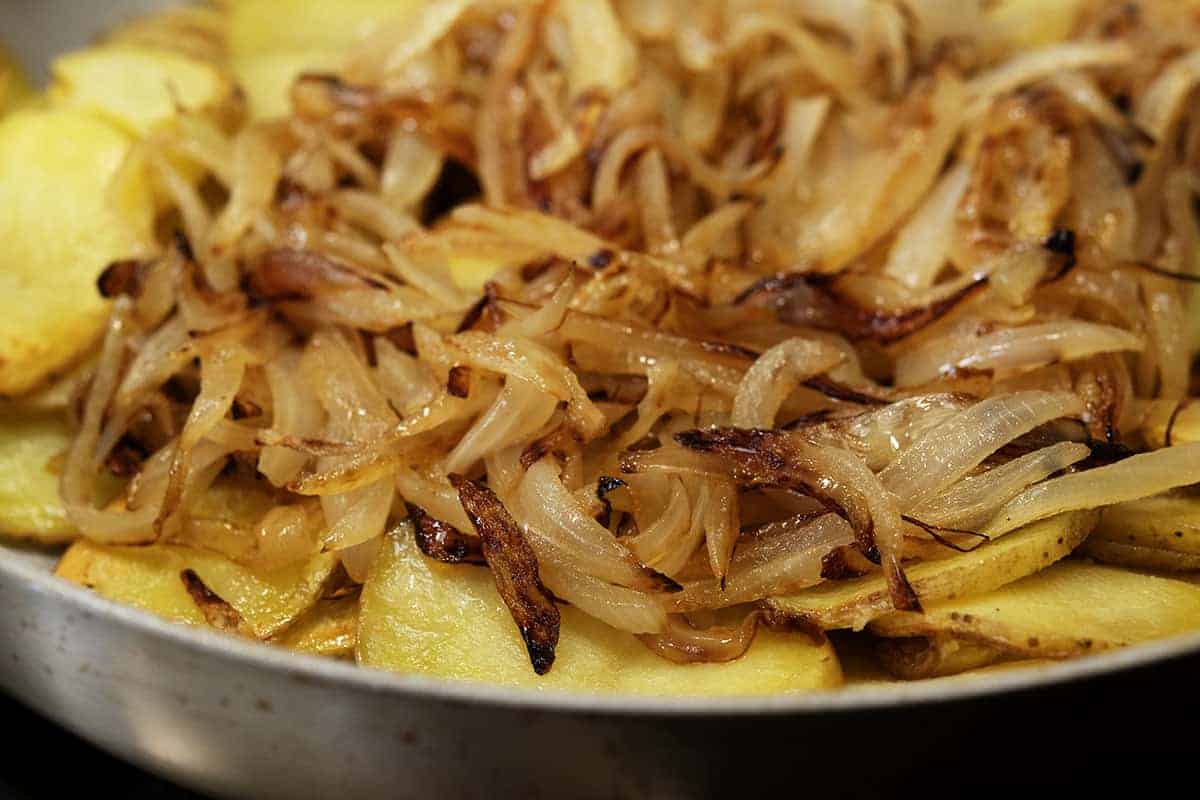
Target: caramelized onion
515, 569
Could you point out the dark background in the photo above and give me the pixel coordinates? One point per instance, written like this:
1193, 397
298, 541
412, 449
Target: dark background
1138, 728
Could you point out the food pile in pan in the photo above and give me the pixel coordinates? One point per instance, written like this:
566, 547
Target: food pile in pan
616, 345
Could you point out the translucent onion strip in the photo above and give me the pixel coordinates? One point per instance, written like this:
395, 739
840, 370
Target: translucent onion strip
1136, 477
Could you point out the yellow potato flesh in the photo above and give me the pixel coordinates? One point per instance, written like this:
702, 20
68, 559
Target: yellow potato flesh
855, 602
419, 616
136, 88
1138, 557
1070, 609
271, 42
1169, 522
148, 578
471, 273
329, 629
29, 504
58, 230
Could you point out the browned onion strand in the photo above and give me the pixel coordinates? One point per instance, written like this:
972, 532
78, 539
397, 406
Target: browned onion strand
830, 285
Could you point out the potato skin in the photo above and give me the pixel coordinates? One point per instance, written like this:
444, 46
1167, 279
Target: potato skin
1070, 609
854, 603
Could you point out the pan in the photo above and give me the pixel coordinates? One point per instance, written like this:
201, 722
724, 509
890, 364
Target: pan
231, 718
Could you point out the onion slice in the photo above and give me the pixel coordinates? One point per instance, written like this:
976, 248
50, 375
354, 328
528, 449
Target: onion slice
515, 569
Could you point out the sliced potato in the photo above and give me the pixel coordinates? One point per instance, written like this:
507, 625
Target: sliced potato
419, 616
137, 88
1139, 557
472, 273
29, 503
267, 78
1156, 533
273, 41
329, 629
918, 658
149, 578
1168, 522
59, 228
1072, 608
855, 602
307, 25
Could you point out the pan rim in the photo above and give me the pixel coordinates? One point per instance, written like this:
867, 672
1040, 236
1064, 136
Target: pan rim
337, 674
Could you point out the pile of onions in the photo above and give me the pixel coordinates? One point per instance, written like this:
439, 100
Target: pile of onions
779, 284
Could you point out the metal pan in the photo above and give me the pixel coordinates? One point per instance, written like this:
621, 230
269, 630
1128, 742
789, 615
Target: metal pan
232, 718
235, 718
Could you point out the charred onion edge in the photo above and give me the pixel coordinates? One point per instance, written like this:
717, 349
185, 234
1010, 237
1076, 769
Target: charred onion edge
604, 485
443, 542
761, 446
840, 391
515, 570
286, 273
216, 610
854, 321
121, 278
550, 444
458, 382
483, 308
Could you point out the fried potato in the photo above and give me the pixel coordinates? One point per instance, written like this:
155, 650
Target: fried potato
329, 629
1158, 533
423, 617
60, 226
855, 602
1138, 557
918, 658
1071, 609
137, 88
273, 41
1168, 522
29, 503
267, 78
149, 578
472, 273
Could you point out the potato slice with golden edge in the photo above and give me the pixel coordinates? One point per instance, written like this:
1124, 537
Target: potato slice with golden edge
855, 602
1167, 522
1138, 557
419, 616
137, 88
329, 629
149, 578
29, 504
60, 226
934, 657
273, 41
1071, 609
1156, 533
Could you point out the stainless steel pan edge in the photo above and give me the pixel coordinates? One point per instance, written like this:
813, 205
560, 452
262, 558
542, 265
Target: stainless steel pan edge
232, 718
